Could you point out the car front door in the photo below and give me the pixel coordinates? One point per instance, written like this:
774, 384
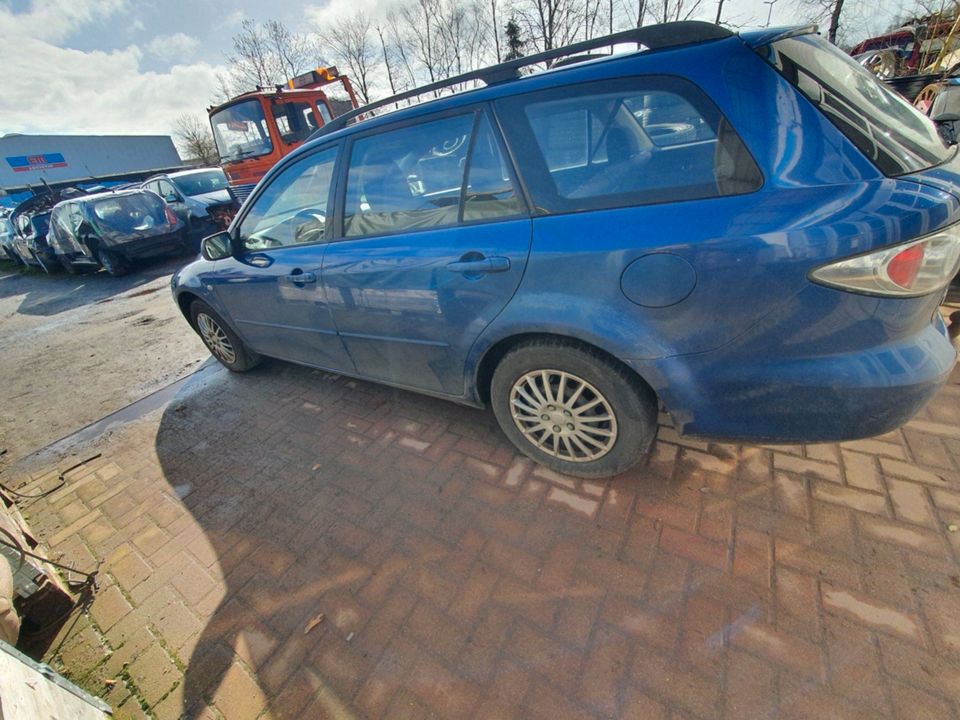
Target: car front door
271, 288
433, 240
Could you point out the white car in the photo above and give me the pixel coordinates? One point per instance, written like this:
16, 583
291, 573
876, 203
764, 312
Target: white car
191, 194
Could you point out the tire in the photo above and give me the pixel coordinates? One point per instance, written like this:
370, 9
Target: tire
112, 262
67, 265
15, 258
220, 340
597, 387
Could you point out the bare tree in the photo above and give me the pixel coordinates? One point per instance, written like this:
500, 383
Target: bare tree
291, 51
495, 29
550, 23
420, 26
386, 60
349, 42
832, 13
223, 91
194, 139
673, 10
266, 54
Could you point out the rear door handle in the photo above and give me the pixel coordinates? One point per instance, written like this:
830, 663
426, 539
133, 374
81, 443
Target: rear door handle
481, 265
299, 277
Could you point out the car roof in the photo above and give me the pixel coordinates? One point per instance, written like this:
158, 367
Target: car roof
103, 195
508, 78
184, 173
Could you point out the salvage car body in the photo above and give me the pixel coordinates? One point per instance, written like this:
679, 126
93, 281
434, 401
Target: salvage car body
131, 224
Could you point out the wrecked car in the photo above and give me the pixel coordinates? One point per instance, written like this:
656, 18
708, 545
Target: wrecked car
111, 230
193, 195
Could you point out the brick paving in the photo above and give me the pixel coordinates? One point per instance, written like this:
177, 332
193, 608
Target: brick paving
455, 579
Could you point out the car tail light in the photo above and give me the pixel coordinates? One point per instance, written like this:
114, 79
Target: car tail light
917, 268
171, 216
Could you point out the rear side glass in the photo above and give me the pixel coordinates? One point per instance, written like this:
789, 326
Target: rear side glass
490, 192
896, 136
407, 179
616, 143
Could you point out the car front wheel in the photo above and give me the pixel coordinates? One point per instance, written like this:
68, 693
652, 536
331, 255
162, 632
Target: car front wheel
572, 409
220, 340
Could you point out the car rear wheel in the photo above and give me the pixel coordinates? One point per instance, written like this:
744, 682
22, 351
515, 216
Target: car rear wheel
220, 340
572, 409
67, 265
112, 262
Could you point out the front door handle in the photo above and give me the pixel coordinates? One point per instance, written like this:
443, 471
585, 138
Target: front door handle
299, 277
480, 265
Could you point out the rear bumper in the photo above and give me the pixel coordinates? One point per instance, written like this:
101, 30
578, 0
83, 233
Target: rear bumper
842, 376
150, 247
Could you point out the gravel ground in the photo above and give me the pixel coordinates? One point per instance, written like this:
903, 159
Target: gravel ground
76, 348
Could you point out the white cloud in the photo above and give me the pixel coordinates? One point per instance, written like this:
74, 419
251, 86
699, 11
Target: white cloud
49, 89
55, 21
176, 47
235, 18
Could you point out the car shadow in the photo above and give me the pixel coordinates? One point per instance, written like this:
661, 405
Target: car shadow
48, 295
298, 482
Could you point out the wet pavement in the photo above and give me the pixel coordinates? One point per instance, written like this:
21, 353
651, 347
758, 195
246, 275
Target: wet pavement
291, 543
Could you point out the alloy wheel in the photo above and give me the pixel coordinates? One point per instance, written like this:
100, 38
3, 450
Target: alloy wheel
216, 339
563, 415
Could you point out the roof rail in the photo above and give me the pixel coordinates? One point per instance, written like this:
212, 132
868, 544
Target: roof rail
653, 37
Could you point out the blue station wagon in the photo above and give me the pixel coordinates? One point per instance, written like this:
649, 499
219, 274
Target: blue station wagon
747, 228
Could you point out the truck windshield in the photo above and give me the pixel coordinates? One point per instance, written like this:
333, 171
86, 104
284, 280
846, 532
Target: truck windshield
240, 131
897, 137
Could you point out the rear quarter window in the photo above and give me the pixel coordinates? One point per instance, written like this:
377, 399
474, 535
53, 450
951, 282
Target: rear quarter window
617, 143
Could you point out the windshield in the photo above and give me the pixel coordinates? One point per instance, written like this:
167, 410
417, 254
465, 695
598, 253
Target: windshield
884, 126
201, 182
240, 131
129, 213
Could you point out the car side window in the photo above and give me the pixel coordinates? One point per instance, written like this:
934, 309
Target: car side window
167, 189
490, 191
408, 178
292, 210
616, 143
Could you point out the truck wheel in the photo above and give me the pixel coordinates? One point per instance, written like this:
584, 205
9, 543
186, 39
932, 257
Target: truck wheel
220, 340
572, 409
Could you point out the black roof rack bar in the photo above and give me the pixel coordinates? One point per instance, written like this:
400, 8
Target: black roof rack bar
654, 37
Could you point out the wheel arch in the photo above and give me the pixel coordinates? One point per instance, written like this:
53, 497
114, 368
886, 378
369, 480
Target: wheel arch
485, 367
184, 300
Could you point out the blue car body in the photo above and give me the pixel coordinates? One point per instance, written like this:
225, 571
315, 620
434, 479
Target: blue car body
709, 300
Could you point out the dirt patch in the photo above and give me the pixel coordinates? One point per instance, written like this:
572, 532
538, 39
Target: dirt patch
72, 364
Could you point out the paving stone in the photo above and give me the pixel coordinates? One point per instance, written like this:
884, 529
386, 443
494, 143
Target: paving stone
457, 579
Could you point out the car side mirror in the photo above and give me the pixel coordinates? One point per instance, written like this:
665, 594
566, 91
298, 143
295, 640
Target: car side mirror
218, 246
171, 198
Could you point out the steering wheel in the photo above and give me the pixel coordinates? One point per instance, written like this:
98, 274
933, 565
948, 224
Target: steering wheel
311, 227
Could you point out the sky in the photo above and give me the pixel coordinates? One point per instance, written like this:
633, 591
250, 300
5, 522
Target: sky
133, 66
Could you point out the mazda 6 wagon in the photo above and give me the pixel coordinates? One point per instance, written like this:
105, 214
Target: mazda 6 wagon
748, 229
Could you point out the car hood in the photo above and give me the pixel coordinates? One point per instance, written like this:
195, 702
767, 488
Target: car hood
212, 198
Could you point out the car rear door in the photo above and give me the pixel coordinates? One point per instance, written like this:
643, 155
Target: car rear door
271, 288
433, 239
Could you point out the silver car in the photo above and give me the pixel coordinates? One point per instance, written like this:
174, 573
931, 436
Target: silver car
191, 194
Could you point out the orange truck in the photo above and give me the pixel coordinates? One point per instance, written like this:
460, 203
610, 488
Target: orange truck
254, 130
